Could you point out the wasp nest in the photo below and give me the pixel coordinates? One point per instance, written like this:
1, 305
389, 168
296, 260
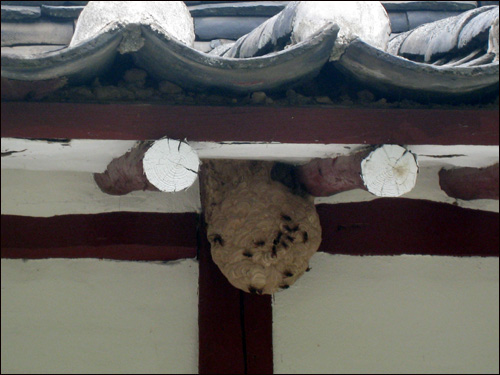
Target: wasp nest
262, 236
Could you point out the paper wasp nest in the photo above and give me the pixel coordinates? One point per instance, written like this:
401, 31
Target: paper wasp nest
262, 236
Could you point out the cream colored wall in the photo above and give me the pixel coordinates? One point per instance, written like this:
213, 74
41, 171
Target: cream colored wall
91, 316
402, 314
43, 194
349, 314
49, 193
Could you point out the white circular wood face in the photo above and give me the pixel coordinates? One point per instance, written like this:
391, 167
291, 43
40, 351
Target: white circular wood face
389, 171
171, 165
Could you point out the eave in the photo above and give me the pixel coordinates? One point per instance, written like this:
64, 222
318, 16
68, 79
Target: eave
86, 137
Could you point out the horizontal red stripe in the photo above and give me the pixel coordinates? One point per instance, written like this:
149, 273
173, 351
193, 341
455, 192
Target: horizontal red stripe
408, 226
116, 235
252, 124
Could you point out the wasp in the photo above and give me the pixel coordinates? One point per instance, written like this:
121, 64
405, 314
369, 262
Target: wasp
253, 290
218, 240
305, 237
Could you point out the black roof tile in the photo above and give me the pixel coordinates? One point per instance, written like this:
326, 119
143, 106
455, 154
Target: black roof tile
48, 26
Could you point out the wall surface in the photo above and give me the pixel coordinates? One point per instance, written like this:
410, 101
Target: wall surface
402, 314
49, 193
45, 194
405, 314
91, 316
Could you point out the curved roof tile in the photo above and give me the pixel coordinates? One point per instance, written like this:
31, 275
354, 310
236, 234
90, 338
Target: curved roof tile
401, 78
168, 59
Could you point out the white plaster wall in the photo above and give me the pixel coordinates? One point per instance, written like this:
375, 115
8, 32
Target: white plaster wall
91, 316
44, 194
403, 314
49, 193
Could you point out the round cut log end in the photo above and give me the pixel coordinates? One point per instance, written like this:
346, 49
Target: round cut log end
171, 165
389, 171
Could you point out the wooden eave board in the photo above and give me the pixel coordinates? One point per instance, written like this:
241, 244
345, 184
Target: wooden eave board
250, 124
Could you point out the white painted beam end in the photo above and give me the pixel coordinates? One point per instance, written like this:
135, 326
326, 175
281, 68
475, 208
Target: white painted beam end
389, 171
171, 165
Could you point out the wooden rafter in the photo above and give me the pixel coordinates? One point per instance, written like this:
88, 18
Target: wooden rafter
388, 171
470, 183
166, 165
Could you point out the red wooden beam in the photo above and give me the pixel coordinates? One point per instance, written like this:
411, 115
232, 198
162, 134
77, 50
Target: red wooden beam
408, 226
117, 235
219, 319
258, 328
250, 124
470, 183
235, 328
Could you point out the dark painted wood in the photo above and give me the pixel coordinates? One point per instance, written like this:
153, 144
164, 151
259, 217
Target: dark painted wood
470, 183
235, 328
258, 325
408, 226
221, 348
116, 235
250, 124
